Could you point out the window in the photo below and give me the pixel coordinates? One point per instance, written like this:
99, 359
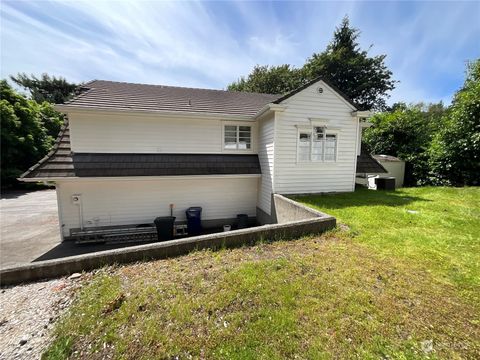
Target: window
330, 147
304, 147
237, 137
317, 144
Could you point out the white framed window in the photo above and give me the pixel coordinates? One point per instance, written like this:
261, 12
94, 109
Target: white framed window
237, 137
316, 143
304, 142
330, 147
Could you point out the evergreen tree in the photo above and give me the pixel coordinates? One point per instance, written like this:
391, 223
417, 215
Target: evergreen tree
46, 88
364, 79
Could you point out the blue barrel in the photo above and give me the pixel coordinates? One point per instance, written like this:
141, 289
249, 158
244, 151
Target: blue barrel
194, 220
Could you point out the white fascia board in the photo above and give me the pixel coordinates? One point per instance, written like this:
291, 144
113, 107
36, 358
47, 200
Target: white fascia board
67, 109
141, 178
269, 107
362, 114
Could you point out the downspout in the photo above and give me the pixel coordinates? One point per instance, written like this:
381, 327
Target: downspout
59, 209
77, 201
356, 152
359, 115
80, 207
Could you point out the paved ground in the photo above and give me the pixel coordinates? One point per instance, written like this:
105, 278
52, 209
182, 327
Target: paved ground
30, 230
29, 226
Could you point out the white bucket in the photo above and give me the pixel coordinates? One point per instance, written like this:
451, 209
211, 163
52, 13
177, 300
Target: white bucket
227, 227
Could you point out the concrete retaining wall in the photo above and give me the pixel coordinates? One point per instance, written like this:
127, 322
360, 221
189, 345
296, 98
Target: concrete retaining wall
287, 210
305, 221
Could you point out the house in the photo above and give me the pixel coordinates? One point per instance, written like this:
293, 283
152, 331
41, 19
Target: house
132, 152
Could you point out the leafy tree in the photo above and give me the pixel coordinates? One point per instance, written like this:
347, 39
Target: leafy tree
407, 132
46, 88
269, 80
455, 150
366, 80
28, 131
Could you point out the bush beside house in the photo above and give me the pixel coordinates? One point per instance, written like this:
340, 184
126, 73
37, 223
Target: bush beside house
28, 131
441, 146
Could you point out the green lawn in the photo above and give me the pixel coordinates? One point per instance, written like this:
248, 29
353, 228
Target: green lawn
435, 228
394, 285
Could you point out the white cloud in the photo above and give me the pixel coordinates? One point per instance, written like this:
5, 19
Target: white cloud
148, 42
196, 44
273, 48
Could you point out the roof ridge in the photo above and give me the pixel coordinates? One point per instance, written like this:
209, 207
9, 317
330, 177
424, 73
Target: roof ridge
183, 87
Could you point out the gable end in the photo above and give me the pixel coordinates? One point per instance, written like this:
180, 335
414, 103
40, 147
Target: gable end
312, 82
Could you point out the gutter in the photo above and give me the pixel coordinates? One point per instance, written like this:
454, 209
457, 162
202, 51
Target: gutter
269, 107
362, 114
138, 178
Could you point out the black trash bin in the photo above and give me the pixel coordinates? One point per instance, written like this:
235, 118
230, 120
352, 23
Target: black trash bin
385, 183
194, 220
242, 221
165, 226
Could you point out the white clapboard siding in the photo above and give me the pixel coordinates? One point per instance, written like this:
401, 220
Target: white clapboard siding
123, 202
265, 156
296, 177
125, 133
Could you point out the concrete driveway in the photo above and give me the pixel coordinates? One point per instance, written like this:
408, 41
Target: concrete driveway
29, 226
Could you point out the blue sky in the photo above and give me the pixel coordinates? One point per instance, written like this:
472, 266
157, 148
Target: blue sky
210, 44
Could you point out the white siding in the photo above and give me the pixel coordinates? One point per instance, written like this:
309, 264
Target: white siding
122, 202
265, 156
292, 177
395, 169
125, 133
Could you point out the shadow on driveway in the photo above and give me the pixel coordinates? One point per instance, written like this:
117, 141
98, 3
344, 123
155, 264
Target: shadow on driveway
69, 248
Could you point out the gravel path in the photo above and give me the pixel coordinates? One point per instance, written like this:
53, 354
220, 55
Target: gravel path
28, 313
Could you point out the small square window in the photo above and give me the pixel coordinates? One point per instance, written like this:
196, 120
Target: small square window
304, 137
319, 132
237, 137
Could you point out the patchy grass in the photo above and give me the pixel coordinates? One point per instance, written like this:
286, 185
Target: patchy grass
334, 296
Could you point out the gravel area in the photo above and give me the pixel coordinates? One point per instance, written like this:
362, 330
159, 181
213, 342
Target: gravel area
28, 313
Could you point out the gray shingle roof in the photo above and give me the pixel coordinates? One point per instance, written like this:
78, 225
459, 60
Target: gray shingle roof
58, 162
366, 164
142, 97
387, 158
103, 165
61, 163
